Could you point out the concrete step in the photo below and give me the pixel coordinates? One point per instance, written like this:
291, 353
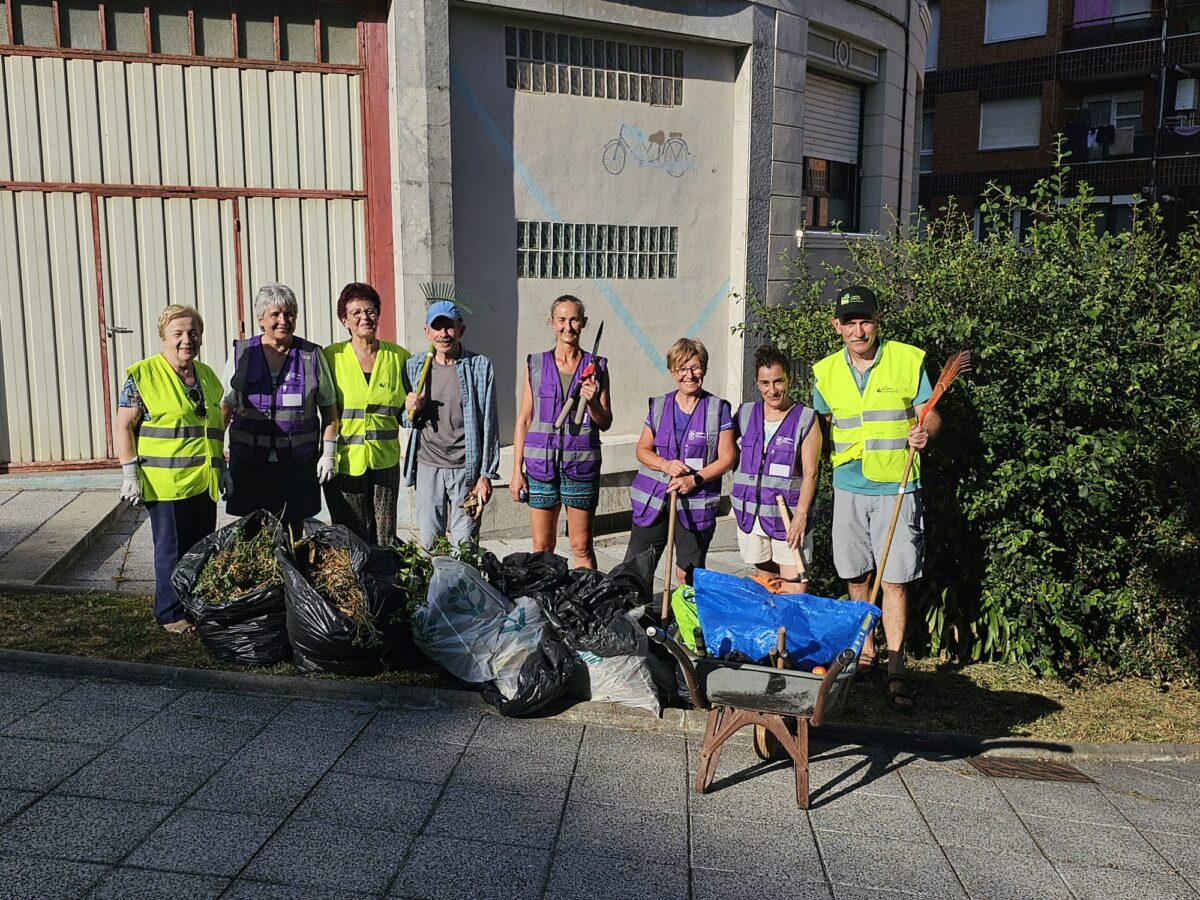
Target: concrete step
57, 542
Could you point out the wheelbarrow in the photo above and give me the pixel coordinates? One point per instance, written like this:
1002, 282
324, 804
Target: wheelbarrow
781, 702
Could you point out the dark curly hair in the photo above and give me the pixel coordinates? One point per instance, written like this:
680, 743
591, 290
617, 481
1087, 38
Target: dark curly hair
356, 290
767, 356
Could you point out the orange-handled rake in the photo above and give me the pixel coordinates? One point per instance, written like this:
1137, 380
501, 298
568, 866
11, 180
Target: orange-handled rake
957, 364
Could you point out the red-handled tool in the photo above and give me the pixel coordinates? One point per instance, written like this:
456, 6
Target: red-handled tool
572, 402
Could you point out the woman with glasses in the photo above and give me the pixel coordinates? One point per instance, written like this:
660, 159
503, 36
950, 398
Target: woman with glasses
371, 386
169, 439
685, 448
281, 408
553, 466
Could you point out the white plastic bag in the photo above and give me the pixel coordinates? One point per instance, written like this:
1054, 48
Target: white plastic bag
460, 624
520, 633
623, 679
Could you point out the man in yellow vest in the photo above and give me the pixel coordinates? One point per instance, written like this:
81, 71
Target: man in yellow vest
871, 392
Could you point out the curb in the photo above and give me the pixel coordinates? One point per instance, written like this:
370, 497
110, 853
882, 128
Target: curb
673, 721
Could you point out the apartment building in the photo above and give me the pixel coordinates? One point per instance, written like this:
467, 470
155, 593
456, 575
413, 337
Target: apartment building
1117, 78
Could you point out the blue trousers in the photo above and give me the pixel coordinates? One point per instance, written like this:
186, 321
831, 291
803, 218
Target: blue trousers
175, 526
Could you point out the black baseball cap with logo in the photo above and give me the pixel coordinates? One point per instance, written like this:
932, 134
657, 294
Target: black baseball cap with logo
856, 300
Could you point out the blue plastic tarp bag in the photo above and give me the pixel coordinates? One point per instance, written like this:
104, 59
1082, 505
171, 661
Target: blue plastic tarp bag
742, 615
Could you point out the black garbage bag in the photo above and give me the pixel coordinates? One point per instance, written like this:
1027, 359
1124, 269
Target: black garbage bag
251, 628
532, 677
590, 608
525, 574
325, 638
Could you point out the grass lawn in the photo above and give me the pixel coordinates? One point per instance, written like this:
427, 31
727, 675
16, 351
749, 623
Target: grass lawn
989, 699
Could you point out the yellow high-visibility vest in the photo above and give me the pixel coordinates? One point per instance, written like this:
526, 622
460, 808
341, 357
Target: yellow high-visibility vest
873, 426
178, 450
369, 434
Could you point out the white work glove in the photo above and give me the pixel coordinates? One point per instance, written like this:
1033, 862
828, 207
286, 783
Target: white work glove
131, 483
224, 479
327, 464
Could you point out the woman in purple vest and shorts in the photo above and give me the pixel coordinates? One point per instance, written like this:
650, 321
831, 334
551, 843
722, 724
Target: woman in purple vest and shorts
281, 406
780, 454
686, 446
556, 467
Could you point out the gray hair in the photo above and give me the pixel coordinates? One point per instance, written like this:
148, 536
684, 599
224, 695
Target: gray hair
270, 295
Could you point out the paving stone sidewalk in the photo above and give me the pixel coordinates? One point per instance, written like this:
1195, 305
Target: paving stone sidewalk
113, 789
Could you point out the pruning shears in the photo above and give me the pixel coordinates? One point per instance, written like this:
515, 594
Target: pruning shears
572, 402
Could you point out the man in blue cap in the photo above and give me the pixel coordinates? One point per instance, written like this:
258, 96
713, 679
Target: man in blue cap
454, 437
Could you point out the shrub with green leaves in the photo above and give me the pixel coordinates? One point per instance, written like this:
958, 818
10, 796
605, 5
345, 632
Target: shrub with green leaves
1063, 494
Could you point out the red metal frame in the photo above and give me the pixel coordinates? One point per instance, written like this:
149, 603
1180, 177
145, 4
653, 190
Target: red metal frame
177, 191
103, 323
213, 62
377, 175
238, 289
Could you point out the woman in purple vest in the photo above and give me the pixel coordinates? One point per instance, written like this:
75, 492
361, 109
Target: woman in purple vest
556, 467
281, 406
780, 456
686, 446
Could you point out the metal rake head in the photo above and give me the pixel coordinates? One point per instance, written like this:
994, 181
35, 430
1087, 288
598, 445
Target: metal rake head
464, 298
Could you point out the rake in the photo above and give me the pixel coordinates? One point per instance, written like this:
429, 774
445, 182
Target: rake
957, 364
464, 298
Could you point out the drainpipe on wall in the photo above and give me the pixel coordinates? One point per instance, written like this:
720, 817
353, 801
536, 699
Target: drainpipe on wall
904, 106
1162, 102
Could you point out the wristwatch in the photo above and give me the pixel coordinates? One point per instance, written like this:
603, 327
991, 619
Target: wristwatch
699, 478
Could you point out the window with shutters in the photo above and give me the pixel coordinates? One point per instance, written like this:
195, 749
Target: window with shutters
576, 250
1010, 124
832, 139
1010, 20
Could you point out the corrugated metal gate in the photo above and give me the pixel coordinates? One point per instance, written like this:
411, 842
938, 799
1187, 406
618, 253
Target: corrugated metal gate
130, 179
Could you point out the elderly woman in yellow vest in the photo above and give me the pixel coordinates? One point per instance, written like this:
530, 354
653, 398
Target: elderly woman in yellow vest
371, 386
169, 440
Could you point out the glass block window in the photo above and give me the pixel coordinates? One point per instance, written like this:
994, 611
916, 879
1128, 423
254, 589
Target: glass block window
571, 250
545, 62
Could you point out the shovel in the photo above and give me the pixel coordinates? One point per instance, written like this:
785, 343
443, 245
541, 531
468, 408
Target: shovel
669, 570
801, 569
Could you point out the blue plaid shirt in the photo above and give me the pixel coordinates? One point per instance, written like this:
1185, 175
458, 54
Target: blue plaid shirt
481, 422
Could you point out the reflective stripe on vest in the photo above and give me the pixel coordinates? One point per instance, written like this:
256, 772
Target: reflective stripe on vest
758, 478
177, 450
647, 493
873, 425
265, 419
575, 449
369, 430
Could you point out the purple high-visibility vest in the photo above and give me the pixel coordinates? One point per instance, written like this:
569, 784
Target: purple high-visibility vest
575, 449
762, 474
696, 511
279, 417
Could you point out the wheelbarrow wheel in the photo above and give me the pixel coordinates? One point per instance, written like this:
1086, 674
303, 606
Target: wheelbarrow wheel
766, 747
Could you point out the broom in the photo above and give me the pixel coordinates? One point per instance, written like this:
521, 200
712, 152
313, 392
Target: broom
957, 364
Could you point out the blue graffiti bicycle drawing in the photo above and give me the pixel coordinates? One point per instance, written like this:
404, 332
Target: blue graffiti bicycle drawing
661, 150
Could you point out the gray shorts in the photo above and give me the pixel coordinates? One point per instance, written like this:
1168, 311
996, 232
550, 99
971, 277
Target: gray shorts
860, 524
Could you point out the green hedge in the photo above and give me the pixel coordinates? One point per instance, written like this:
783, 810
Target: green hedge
1062, 495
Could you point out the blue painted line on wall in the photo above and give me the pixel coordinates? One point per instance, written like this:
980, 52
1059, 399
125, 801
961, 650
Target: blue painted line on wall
507, 150
709, 308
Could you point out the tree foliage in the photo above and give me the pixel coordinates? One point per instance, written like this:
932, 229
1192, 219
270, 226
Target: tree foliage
1062, 495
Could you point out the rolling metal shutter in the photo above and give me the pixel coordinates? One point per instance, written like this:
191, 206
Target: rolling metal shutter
832, 113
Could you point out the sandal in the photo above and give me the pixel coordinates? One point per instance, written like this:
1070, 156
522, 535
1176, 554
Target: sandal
900, 697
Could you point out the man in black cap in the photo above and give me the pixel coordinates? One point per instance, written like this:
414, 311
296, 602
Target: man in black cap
871, 392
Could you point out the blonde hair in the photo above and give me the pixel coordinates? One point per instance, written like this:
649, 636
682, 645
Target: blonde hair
568, 298
175, 311
683, 350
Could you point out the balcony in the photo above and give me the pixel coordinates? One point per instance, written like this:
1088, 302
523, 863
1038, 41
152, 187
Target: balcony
1124, 29
1143, 148
1184, 18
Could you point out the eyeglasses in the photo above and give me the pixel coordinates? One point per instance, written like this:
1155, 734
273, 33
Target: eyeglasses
193, 394
363, 313
696, 371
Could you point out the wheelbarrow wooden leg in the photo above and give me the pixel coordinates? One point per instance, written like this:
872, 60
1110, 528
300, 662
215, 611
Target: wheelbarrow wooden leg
710, 751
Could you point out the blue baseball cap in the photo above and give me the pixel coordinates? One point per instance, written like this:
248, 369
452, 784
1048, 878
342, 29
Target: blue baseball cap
443, 309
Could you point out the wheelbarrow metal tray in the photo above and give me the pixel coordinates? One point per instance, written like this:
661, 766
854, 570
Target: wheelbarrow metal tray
785, 692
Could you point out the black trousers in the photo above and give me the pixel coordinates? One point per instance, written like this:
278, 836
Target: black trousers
175, 525
691, 547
